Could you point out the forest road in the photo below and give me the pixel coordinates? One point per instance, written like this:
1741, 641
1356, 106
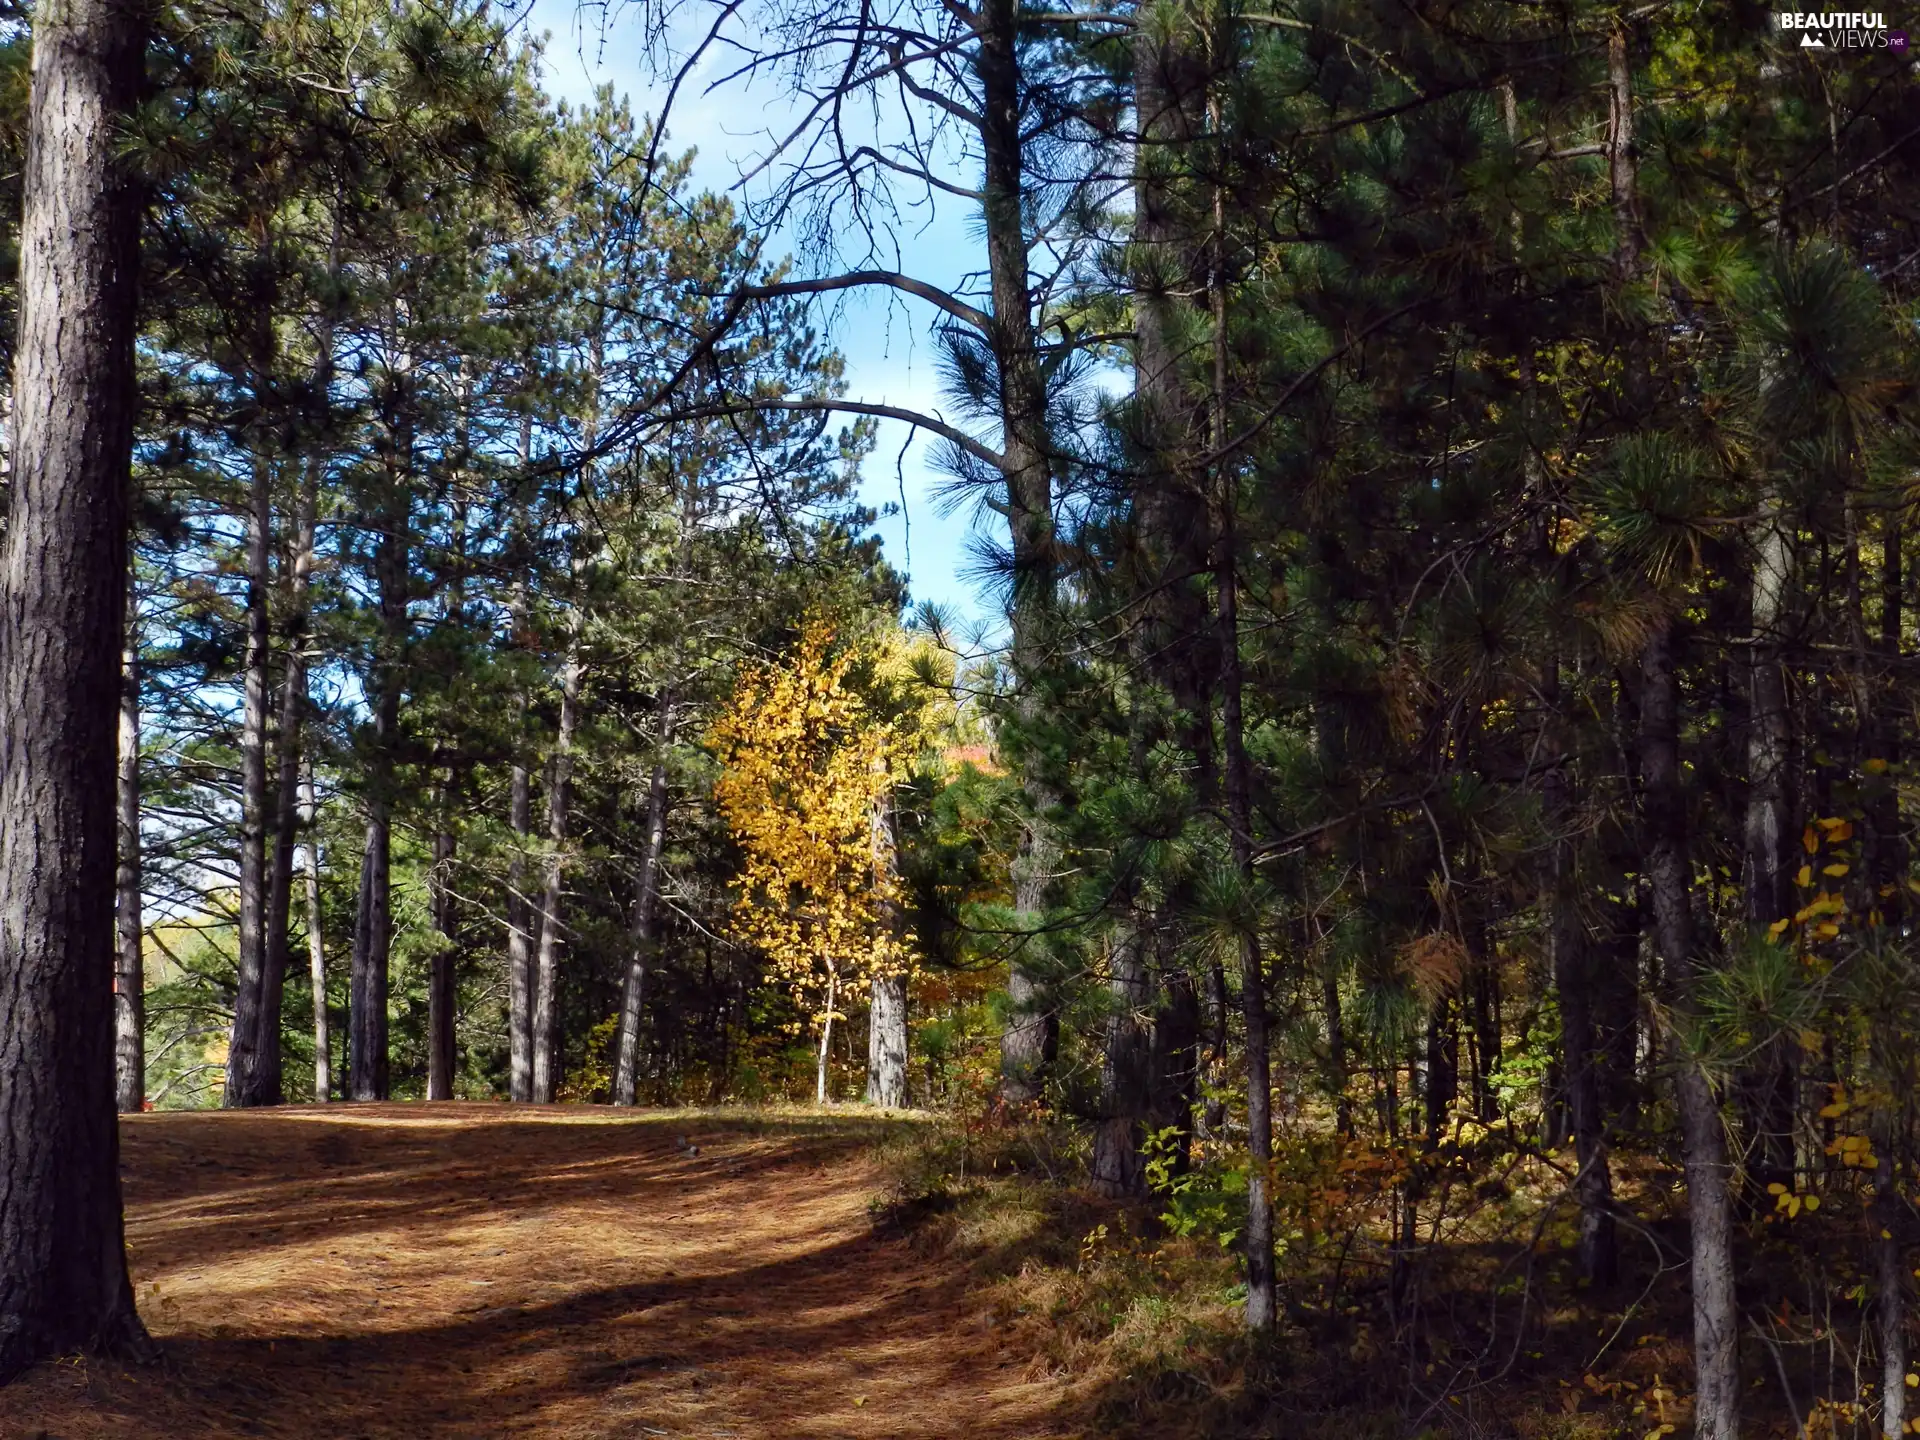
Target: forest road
470, 1271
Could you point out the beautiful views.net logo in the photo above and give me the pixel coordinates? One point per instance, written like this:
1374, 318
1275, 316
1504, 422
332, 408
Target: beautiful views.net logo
1842, 30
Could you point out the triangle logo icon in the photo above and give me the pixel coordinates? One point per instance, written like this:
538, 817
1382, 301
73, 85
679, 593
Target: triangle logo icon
1810, 41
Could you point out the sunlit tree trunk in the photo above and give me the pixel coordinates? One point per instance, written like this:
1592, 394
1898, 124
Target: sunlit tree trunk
887, 993
826, 1036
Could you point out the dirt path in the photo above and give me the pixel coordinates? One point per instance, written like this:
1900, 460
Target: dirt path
429, 1271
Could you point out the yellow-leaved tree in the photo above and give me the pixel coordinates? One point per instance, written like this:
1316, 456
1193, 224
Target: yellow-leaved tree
808, 769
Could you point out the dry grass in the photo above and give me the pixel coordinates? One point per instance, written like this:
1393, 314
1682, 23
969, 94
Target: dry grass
469, 1271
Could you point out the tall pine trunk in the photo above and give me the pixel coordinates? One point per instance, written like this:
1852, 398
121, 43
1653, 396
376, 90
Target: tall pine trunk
367, 1058
292, 737
63, 566
129, 975
316, 946
1031, 1037
254, 1029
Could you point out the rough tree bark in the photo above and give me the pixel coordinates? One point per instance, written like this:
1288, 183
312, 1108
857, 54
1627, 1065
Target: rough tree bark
63, 565
887, 1042
129, 975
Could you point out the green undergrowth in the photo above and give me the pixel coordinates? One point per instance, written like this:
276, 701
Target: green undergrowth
1485, 1333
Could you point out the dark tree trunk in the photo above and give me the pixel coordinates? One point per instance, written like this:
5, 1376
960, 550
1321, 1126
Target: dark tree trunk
1175, 1070
1716, 1355
1118, 1167
130, 975
367, 1060
63, 566
254, 1029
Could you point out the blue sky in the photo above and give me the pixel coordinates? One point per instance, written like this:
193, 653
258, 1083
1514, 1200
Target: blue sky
885, 341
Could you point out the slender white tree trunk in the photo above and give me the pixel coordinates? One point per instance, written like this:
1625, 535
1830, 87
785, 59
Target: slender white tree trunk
826, 1039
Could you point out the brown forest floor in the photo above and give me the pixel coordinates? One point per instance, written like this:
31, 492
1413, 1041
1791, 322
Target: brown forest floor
462, 1271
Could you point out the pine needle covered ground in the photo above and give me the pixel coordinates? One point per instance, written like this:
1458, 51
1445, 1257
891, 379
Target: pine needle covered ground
465, 1271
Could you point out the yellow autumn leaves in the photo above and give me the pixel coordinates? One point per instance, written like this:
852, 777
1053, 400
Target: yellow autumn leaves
808, 767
